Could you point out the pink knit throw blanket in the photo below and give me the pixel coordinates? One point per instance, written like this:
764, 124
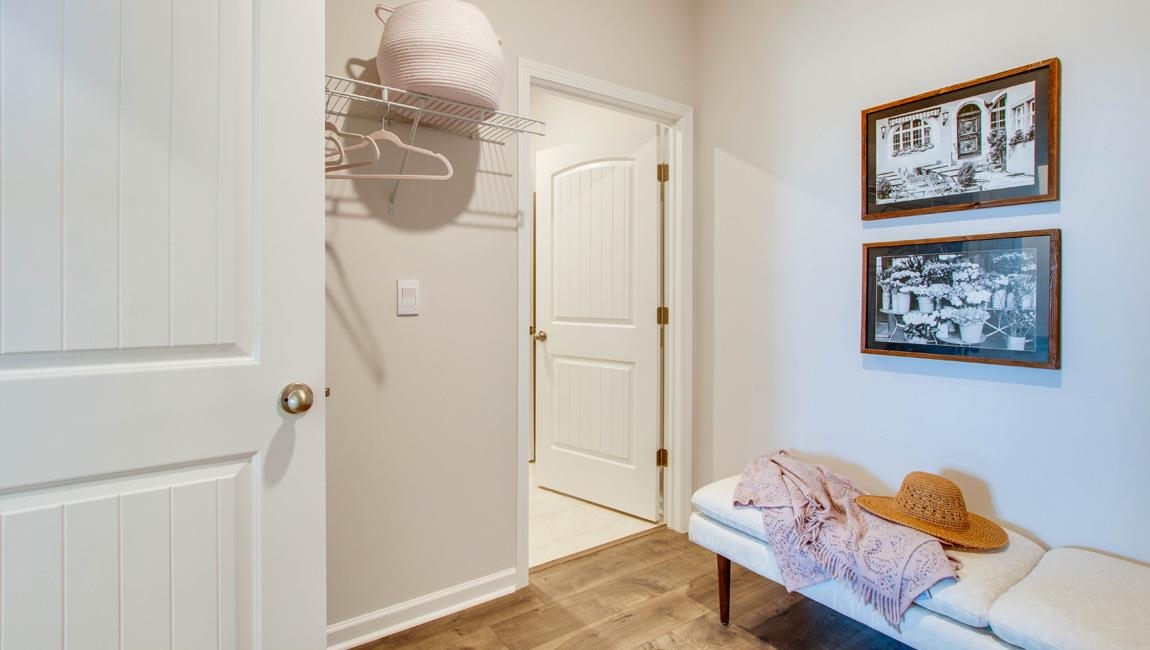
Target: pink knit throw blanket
817, 532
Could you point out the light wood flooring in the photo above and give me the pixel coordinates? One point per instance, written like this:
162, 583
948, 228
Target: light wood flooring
657, 592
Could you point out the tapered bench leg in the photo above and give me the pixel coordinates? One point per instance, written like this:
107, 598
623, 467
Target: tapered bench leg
724, 589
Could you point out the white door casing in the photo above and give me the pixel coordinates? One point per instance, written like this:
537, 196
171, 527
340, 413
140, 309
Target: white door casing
161, 278
597, 374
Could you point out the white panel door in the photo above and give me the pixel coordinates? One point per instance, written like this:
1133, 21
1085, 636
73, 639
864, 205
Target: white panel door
597, 373
161, 279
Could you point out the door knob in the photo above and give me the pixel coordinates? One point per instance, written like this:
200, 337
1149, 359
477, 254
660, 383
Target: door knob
540, 336
296, 398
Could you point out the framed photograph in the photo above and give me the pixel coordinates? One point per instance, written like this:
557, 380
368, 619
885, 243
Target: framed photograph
991, 141
982, 298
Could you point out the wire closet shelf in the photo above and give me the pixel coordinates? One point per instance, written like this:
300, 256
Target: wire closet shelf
369, 101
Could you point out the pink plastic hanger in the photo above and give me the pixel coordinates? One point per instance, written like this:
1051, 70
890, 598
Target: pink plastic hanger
374, 138
337, 156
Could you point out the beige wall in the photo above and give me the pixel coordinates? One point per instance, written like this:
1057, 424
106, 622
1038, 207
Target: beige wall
421, 425
1060, 454
574, 121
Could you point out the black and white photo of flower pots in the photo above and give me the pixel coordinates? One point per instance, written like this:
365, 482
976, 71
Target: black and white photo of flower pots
986, 298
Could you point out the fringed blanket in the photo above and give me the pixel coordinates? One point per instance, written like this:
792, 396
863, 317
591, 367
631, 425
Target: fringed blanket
818, 532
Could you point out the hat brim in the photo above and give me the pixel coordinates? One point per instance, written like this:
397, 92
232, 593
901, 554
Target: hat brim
983, 534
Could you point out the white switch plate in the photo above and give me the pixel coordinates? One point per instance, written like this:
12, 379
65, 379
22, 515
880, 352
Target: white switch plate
407, 297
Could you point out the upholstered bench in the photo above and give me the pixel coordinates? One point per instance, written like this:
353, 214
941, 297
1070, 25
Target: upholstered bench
1018, 596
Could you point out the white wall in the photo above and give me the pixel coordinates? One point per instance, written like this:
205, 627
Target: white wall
422, 422
1059, 454
421, 426
572, 121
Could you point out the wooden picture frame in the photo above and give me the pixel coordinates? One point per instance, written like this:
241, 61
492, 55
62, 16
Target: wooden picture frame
987, 142
980, 298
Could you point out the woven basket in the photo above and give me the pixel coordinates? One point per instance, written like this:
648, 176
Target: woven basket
444, 48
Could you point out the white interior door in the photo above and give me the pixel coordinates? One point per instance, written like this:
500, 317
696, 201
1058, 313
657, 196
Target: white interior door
597, 283
161, 278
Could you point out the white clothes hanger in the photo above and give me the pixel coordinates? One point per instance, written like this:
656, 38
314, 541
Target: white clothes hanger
384, 134
337, 158
333, 152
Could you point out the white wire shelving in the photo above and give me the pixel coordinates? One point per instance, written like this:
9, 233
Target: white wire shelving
352, 98
360, 99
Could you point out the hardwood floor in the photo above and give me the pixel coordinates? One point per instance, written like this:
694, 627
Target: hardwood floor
657, 592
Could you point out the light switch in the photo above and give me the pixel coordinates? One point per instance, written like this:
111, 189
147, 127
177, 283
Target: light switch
407, 297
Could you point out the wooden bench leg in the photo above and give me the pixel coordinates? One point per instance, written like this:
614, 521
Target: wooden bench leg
724, 589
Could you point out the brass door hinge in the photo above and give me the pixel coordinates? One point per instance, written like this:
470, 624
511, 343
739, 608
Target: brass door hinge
662, 172
327, 391
661, 458
663, 316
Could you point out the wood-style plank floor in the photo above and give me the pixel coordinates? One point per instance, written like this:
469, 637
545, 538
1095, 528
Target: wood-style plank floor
657, 592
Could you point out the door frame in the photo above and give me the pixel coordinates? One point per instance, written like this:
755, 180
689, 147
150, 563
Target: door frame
679, 119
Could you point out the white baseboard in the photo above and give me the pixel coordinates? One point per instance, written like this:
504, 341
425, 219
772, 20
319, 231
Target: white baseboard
389, 620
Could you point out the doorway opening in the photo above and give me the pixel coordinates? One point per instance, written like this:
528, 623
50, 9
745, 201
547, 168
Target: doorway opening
596, 353
601, 267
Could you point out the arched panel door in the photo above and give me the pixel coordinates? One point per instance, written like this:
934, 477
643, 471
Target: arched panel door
597, 378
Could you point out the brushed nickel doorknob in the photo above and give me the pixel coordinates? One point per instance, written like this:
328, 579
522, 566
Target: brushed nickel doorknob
540, 336
296, 398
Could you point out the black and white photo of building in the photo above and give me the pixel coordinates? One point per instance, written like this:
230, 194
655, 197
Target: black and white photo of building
977, 143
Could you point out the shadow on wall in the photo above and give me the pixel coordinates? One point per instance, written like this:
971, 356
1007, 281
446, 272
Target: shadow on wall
281, 449
362, 70
350, 313
976, 494
419, 205
481, 193
857, 473
970, 371
495, 190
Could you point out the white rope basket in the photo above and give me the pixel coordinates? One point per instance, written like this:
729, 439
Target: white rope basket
444, 48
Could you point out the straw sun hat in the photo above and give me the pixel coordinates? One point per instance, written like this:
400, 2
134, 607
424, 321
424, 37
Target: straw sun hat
934, 505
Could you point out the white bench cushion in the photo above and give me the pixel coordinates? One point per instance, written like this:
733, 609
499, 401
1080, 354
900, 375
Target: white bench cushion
1077, 599
717, 502
984, 576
